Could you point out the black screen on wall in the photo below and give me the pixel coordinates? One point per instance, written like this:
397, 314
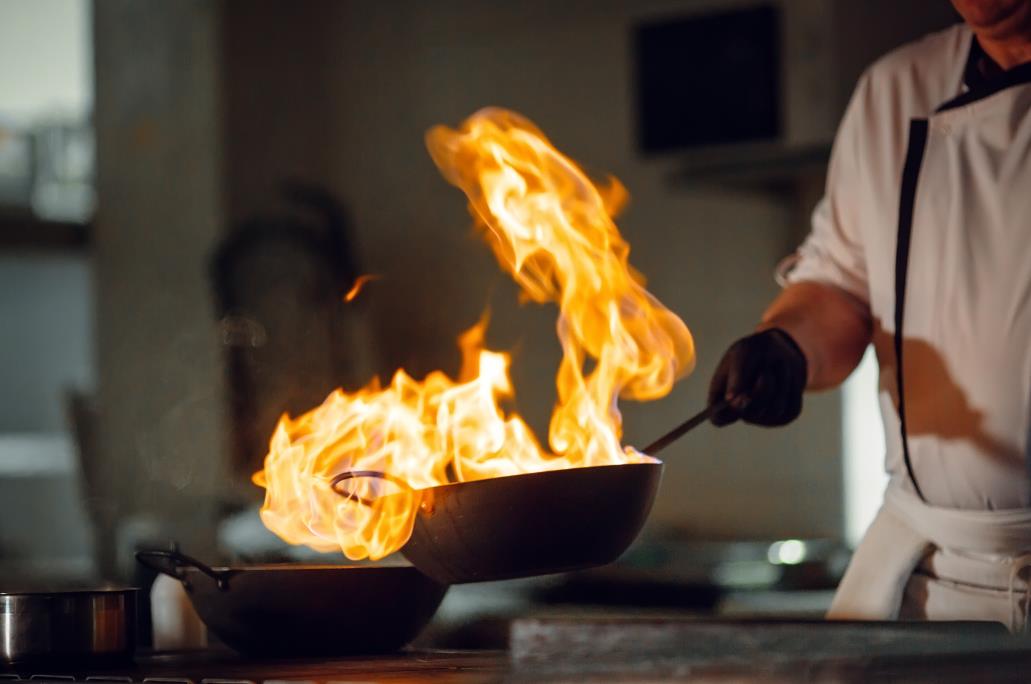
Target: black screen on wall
708, 79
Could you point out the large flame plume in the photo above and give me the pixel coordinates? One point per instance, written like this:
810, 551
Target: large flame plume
552, 229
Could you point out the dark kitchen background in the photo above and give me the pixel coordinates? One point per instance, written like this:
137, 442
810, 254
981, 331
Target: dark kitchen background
188, 187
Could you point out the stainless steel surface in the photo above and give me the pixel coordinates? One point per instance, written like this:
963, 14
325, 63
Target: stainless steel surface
92, 625
655, 649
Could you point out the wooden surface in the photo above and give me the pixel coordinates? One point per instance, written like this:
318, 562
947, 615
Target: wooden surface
442, 667
995, 660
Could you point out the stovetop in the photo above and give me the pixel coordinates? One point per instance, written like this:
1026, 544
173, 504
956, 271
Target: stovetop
225, 667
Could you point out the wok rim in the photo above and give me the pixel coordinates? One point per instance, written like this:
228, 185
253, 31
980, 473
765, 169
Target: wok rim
62, 593
649, 464
469, 559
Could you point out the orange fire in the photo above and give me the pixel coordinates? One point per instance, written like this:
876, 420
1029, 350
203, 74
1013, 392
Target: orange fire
359, 284
551, 228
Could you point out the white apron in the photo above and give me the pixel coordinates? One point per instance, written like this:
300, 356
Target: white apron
954, 313
906, 531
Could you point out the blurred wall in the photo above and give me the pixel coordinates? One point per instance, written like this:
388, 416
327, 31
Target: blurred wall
46, 299
46, 305
709, 253
372, 77
46, 66
160, 212
708, 256
46, 349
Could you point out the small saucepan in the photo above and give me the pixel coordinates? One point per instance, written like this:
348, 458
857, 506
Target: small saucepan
301, 609
91, 627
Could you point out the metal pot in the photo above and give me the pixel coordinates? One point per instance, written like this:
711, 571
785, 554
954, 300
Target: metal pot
88, 626
526, 525
295, 609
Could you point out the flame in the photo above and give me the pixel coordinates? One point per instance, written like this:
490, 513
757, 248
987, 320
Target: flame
552, 229
359, 284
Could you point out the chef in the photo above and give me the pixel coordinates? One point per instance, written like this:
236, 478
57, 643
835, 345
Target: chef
921, 246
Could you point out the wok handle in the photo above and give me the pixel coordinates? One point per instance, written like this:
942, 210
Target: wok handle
172, 562
685, 427
355, 474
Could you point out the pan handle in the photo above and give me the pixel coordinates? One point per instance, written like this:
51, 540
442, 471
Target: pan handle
355, 474
172, 562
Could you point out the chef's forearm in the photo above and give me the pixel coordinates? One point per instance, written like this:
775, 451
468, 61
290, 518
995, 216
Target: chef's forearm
831, 326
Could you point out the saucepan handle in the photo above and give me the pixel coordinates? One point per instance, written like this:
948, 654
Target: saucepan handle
358, 474
171, 563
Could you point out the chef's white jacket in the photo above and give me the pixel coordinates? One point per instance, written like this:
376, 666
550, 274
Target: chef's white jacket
920, 160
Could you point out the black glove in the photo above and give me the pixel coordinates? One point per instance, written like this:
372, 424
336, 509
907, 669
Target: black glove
763, 377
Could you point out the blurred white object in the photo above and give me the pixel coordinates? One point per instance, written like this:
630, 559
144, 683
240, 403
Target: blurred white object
48, 168
863, 434
175, 622
46, 96
62, 187
36, 454
16, 167
46, 58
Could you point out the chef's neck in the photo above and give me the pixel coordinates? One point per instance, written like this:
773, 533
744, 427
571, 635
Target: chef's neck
1007, 52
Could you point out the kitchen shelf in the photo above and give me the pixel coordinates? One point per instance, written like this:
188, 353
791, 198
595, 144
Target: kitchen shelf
32, 233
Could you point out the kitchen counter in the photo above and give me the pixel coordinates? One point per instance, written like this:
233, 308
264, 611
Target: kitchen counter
642, 650
225, 667
559, 650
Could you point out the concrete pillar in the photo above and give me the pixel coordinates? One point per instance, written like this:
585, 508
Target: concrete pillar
160, 437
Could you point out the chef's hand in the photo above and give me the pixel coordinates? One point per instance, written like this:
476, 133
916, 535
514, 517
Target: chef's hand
762, 378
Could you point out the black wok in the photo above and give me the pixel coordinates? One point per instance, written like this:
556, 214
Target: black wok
293, 609
525, 525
